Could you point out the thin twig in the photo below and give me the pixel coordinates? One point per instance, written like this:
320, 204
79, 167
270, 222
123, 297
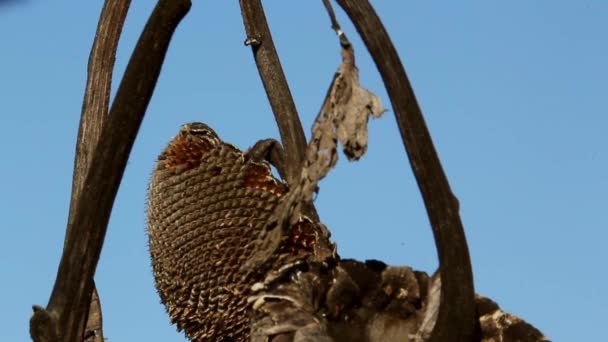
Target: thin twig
335, 25
332, 16
275, 84
456, 320
70, 298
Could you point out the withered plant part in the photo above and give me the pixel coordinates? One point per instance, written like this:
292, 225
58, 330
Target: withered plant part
343, 117
207, 205
448, 312
456, 317
276, 86
104, 142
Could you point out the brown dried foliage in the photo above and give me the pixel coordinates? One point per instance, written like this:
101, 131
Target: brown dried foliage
106, 137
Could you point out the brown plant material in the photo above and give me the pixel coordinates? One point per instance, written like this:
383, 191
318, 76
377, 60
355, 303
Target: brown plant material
354, 301
343, 117
207, 204
95, 110
93, 331
347, 106
346, 111
277, 89
497, 325
94, 113
399, 305
102, 152
285, 113
456, 316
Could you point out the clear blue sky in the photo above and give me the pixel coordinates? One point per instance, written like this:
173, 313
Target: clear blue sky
514, 94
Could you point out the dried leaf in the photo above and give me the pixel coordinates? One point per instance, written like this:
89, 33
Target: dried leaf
343, 117
348, 106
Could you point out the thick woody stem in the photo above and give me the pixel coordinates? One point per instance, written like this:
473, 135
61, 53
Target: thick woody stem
97, 91
456, 318
95, 107
275, 84
69, 303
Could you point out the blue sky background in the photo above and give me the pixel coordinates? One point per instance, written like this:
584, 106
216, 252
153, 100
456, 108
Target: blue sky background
514, 94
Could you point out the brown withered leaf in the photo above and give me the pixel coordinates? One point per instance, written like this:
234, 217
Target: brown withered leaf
343, 117
348, 107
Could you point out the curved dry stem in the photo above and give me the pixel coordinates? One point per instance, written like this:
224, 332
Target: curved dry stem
456, 318
97, 90
94, 113
69, 303
275, 84
96, 97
